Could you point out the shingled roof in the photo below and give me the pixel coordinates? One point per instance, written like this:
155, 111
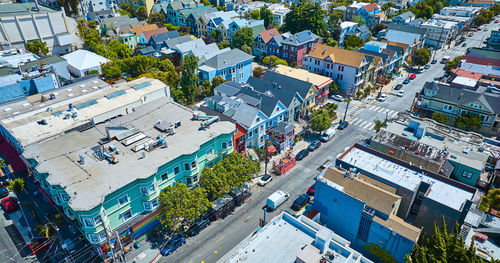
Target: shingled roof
338, 55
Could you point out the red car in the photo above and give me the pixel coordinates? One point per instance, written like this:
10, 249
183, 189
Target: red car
9, 204
311, 190
412, 76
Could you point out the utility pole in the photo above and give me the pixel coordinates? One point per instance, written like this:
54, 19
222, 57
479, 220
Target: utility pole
347, 107
121, 246
108, 239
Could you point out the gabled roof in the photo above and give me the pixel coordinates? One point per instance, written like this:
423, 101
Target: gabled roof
403, 46
273, 90
288, 83
199, 12
189, 45
229, 58
337, 55
466, 74
83, 59
304, 75
407, 29
371, 7
239, 111
267, 104
170, 42
138, 30
267, 35
462, 96
198, 9
301, 38
146, 51
407, 15
148, 34
230, 88
257, 29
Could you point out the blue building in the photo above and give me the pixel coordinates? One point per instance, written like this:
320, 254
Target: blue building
234, 65
363, 212
494, 41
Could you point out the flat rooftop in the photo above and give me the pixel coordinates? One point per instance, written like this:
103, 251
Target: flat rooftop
92, 101
285, 238
402, 176
304, 75
374, 196
89, 183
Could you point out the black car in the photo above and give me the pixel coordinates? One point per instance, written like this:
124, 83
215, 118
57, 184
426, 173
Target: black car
434, 61
3, 192
197, 226
300, 202
343, 125
301, 155
314, 145
398, 87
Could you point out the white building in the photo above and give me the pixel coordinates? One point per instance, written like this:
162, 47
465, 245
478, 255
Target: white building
461, 11
279, 14
87, 6
82, 61
21, 23
439, 32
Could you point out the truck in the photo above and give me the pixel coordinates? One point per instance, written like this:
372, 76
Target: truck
328, 134
276, 199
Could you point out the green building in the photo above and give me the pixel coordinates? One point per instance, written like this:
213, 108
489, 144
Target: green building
129, 39
108, 170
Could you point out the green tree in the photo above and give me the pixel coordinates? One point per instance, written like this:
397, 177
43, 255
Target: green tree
129, 9
360, 20
320, 120
378, 252
141, 13
490, 200
124, 12
172, 27
258, 71
307, 15
387, 6
111, 70
38, 48
440, 117
242, 36
334, 20
267, 16
17, 185
217, 81
233, 171
246, 49
352, 42
444, 247
93, 71
452, 64
206, 88
118, 49
189, 79
157, 19
421, 57
255, 14
378, 27
216, 35
379, 124
180, 206
272, 61
469, 122
70, 6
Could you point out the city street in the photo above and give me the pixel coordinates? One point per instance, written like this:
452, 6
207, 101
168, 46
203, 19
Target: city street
226, 235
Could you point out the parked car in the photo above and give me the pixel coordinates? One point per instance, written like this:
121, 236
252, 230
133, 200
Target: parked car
172, 245
497, 21
4, 192
343, 125
406, 81
434, 61
301, 155
197, 226
300, 202
276, 199
328, 134
398, 87
265, 179
337, 98
311, 190
427, 66
464, 44
401, 93
314, 145
9, 204
382, 97
412, 76
445, 59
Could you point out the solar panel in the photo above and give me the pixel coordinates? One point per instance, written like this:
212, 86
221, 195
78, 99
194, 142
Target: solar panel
115, 94
142, 85
86, 104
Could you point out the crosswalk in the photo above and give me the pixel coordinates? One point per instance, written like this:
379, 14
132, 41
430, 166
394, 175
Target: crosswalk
363, 124
455, 53
390, 113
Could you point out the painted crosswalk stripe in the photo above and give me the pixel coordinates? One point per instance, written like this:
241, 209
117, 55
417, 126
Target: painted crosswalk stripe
356, 121
386, 110
371, 107
361, 124
393, 113
375, 108
371, 126
380, 110
368, 124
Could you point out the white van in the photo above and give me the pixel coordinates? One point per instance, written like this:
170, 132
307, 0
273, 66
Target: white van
276, 199
328, 134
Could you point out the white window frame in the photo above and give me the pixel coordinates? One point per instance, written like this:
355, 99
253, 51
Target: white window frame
85, 222
123, 215
93, 238
122, 204
194, 165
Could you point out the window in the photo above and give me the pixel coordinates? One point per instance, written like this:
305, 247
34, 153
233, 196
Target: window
210, 151
123, 200
164, 176
151, 188
189, 181
155, 203
177, 170
230, 143
187, 167
224, 145
65, 197
193, 164
144, 191
97, 220
93, 238
147, 206
101, 235
68, 212
467, 174
127, 215
447, 107
88, 222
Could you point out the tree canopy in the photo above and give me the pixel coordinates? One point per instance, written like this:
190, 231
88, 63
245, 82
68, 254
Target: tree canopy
17, 185
320, 120
233, 171
180, 206
440, 117
112, 49
421, 57
452, 64
352, 42
255, 14
267, 16
189, 79
38, 48
307, 15
272, 61
469, 122
242, 36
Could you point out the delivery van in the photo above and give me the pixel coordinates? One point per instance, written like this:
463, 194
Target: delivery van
328, 134
276, 199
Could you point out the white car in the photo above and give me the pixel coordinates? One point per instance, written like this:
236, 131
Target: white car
265, 179
401, 93
382, 97
337, 98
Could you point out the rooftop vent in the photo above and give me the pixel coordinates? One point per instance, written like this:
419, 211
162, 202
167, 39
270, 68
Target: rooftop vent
167, 127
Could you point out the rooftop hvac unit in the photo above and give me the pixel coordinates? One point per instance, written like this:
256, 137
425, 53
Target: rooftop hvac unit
133, 139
